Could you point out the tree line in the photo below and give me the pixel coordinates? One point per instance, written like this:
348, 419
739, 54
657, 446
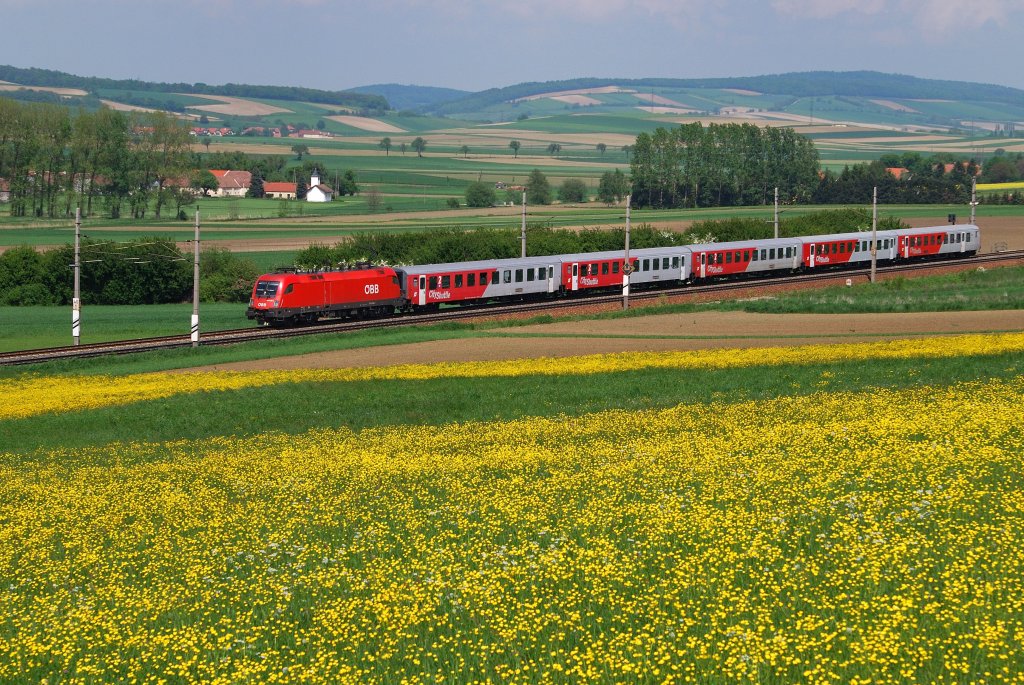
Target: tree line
54, 161
143, 271
721, 165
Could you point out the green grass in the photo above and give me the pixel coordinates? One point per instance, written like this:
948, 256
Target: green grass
295, 408
25, 328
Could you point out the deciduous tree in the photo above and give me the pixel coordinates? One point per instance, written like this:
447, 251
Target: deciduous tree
538, 190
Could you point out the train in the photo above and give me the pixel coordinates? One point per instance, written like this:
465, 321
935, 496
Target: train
291, 297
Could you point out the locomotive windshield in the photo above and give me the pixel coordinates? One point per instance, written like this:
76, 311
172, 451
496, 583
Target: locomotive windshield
267, 288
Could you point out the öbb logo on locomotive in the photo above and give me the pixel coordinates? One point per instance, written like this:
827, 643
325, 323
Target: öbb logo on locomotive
303, 297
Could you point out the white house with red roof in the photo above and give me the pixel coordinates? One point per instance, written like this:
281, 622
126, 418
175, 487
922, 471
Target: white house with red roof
232, 183
318, 192
279, 190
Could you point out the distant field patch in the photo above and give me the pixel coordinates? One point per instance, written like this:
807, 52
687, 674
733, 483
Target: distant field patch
604, 90
653, 99
653, 109
1018, 185
895, 106
577, 99
741, 91
237, 106
45, 89
366, 124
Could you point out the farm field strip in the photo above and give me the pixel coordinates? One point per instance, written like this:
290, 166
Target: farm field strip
834, 537
31, 395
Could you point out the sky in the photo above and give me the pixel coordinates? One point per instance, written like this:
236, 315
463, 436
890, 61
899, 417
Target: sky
479, 44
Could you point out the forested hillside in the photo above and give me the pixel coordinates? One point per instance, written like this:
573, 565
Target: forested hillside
59, 79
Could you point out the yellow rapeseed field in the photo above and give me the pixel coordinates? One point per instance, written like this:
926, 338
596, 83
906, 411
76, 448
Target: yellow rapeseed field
868, 537
28, 396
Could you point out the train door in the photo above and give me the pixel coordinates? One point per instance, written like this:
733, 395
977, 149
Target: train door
703, 264
422, 300
575, 277
963, 242
814, 251
905, 246
551, 278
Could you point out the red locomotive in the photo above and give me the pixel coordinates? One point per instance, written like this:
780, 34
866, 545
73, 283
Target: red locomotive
291, 298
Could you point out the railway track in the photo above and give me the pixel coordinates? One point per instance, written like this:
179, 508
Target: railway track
723, 290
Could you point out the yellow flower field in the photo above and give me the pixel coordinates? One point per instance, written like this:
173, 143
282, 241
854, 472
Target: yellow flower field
30, 395
838, 538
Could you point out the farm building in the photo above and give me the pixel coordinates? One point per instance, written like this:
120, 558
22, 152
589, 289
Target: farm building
232, 183
279, 190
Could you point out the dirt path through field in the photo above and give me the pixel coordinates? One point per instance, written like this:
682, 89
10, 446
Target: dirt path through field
713, 330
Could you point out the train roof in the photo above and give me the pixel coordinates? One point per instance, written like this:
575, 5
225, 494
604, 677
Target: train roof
349, 274
621, 254
942, 228
745, 244
851, 235
479, 265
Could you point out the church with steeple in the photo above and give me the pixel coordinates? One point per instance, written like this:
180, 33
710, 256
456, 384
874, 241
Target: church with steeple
318, 192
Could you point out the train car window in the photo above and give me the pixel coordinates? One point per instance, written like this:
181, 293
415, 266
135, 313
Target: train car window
529, 274
945, 239
290, 288
470, 280
604, 268
664, 263
551, 272
728, 257
764, 255
446, 281
508, 275
519, 275
593, 269
647, 265
753, 257
483, 278
675, 262
458, 280
494, 278
615, 267
636, 265
771, 253
842, 247
433, 282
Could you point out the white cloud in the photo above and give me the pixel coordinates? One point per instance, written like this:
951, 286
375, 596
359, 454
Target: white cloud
934, 16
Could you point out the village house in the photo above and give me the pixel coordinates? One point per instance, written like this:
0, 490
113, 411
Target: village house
279, 190
232, 183
318, 192
897, 172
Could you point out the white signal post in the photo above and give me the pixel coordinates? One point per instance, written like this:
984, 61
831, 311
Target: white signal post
523, 236
776, 212
874, 232
627, 267
974, 198
76, 301
195, 286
